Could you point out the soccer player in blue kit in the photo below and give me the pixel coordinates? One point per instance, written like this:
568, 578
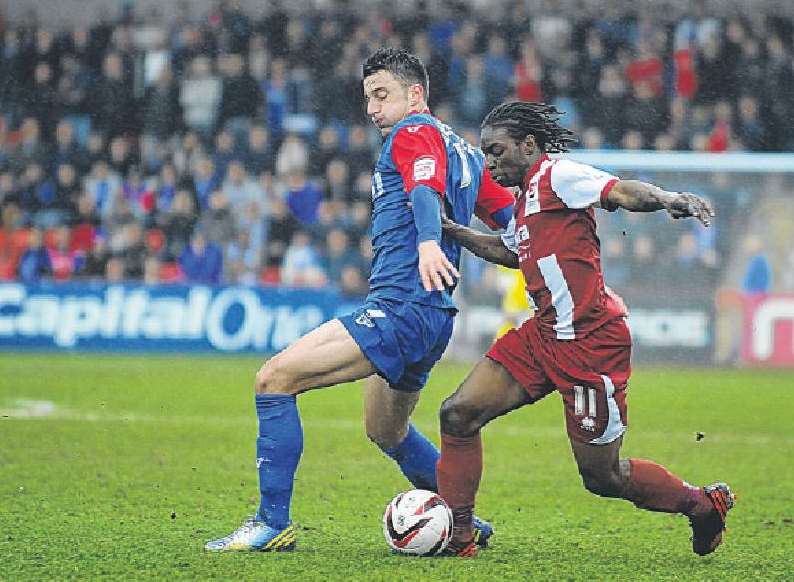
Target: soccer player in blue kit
405, 323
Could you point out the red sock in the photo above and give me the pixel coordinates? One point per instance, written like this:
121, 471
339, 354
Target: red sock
654, 488
458, 471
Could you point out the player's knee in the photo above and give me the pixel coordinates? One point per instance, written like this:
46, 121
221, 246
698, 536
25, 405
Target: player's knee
601, 483
273, 378
385, 437
458, 419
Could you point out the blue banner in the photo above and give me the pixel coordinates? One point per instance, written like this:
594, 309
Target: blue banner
150, 318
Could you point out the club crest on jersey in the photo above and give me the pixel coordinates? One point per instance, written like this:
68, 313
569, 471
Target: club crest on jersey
424, 169
588, 424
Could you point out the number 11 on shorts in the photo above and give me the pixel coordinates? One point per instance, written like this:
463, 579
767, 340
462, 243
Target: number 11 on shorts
578, 403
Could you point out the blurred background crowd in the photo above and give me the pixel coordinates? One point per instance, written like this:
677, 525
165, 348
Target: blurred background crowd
231, 145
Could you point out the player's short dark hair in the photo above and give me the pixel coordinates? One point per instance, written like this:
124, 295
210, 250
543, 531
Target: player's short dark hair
404, 65
523, 118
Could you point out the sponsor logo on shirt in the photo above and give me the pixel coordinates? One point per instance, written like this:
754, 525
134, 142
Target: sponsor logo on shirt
424, 169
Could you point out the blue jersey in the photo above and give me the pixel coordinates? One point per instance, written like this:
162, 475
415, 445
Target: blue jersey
395, 271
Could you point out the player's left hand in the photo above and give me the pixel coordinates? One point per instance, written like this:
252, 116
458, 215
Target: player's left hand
684, 204
435, 269
447, 224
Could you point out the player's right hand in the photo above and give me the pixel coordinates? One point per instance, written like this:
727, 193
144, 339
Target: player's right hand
435, 269
684, 204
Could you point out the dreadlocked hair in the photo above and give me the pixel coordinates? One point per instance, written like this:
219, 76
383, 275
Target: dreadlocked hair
523, 118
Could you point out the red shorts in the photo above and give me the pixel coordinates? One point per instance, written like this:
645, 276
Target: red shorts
591, 374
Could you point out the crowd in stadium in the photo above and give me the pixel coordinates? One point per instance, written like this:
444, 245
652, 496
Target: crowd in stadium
234, 148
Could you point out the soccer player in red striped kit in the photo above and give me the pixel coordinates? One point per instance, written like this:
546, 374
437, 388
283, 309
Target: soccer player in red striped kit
578, 342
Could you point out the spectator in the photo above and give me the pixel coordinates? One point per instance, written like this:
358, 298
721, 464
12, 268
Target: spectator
283, 226
609, 105
337, 180
259, 156
721, 133
225, 153
96, 146
200, 96
162, 112
151, 270
242, 260
303, 198
114, 270
30, 149
8, 190
591, 60
353, 284
292, 155
325, 149
275, 91
749, 128
139, 196
34, 264
41, 103
473, 96
178, 223
73, 95
359, 155
714, 75
204, 180
239, 188
133, 252
67, 190
103, 188
166, 188
201, 261
645, 112
67, 150
85, 226
646, 69
338, 255
498, 70
112, 98
302, 266
64, 260
241, 97
217, 222
757, 278
13, 240
39, 198
251, 218
189, 152
528, 73
95, 264
121, 158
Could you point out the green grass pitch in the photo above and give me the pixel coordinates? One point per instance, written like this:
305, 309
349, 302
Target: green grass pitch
118, 467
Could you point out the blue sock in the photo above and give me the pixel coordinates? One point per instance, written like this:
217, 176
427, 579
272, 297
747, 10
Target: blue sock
278, 451
417, 458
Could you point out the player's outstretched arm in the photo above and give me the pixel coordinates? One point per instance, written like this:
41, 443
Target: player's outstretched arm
639, 196
486, 246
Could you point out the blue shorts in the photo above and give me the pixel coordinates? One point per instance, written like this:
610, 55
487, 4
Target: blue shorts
403, 340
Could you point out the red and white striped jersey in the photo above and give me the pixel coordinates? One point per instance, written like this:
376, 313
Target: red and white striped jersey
553, 232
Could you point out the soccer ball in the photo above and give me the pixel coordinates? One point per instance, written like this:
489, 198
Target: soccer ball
418, 523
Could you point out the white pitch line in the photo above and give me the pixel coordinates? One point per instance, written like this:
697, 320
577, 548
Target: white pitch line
42, 410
